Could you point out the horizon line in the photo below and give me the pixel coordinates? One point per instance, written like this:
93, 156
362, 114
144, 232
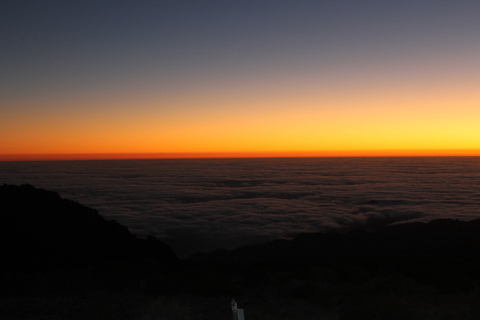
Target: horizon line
233, 155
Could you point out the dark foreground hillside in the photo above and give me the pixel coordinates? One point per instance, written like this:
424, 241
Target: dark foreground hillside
41, 232
408, 271
62, 260
442, 253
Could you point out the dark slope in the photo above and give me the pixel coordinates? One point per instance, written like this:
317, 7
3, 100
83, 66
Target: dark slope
438, 237
43, 234
442, 253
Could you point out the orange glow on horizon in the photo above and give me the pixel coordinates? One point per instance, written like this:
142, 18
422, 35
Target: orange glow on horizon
292, 124
219, 155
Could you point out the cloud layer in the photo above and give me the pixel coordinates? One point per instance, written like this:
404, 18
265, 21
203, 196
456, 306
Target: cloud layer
201, 205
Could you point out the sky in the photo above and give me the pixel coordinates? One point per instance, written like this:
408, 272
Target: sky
93, 79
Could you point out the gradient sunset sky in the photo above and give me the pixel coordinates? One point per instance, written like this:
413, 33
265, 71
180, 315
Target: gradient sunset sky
239, 78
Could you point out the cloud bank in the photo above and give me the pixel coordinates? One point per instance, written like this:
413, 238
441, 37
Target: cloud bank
203, 205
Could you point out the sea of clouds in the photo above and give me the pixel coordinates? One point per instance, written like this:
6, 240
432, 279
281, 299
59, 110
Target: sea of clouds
207, 204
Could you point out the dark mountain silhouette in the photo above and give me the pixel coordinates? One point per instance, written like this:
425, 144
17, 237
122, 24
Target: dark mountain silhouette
41, 233
438, 237
47, 236
53, 247
443, 253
